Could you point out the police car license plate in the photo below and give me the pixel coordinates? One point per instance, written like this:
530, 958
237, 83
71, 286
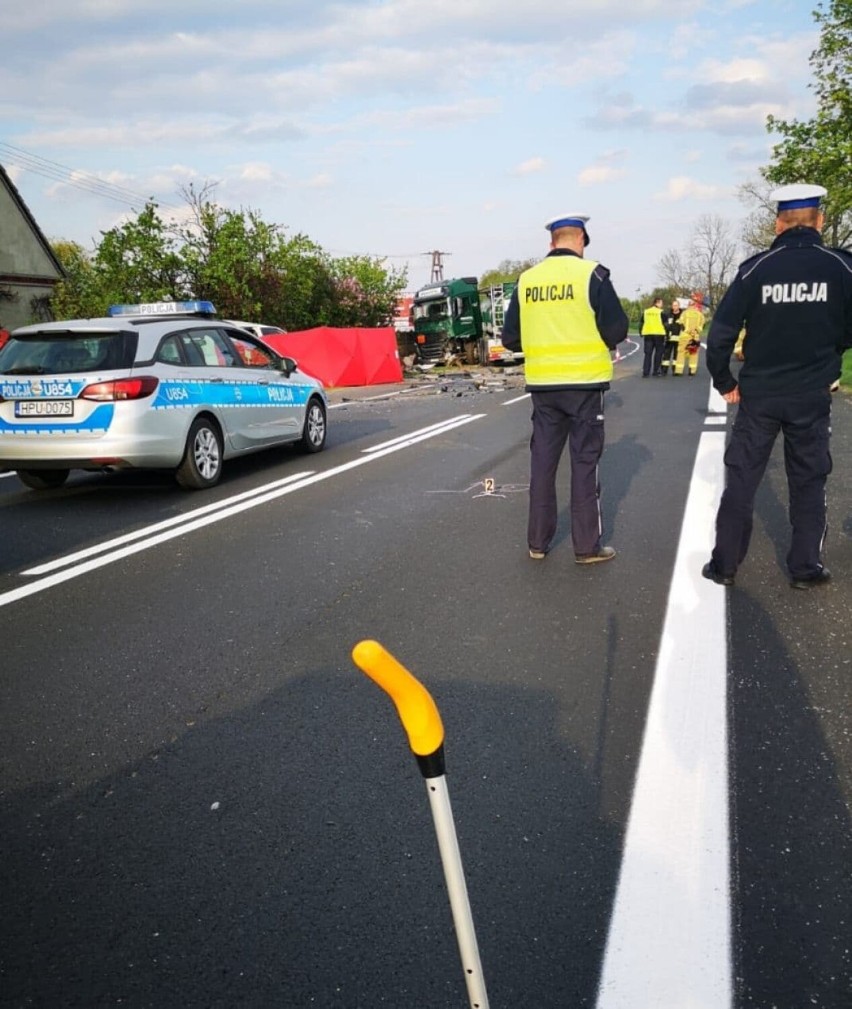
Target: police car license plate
44, 408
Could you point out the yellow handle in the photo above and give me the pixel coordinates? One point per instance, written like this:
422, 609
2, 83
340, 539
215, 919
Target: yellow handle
417, 711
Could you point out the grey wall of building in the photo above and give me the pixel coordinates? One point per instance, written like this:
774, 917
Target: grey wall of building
28, 269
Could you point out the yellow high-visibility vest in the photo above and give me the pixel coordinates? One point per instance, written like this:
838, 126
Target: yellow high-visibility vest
559, 335
652, 322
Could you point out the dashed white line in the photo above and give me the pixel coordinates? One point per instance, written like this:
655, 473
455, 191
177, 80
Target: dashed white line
444, 425
193, 523
100, 548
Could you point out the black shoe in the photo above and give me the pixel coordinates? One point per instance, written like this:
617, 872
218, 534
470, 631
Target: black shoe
709, 571
823, 576
604, 554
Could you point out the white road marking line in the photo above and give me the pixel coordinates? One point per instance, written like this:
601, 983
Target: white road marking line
4, 476
717, 402
623, 357
13, 595
669, 940
99, 548
434, 428
517, 399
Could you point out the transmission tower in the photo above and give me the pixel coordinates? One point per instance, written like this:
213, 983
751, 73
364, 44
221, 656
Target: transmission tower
437, 265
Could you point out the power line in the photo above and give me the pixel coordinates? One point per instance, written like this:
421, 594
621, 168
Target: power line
84, 181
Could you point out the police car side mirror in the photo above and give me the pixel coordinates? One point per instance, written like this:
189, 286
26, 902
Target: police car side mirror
287, 365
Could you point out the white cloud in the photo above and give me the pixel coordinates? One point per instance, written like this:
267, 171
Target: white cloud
256, 171
733, 71
596, 175
422, 116
529, 167
681, 187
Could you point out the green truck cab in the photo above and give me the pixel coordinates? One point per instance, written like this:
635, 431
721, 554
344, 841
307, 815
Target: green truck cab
457, 321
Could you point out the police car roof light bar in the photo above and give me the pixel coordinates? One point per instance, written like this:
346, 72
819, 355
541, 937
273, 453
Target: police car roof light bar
163, 308
422, 723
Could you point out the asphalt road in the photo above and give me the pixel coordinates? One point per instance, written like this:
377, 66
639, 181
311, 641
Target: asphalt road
205, 804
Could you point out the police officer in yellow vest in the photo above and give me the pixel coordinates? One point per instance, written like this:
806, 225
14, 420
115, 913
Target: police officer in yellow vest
654, 332
566, 318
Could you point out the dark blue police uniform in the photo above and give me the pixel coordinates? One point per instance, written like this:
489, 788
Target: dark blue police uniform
567, 343
795, 301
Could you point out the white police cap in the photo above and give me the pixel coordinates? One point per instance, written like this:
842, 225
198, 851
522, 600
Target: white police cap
797, 195
569, 221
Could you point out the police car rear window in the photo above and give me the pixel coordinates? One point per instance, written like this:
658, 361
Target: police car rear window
65, 353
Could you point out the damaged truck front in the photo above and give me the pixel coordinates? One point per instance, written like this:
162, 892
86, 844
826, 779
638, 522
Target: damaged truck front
456, 321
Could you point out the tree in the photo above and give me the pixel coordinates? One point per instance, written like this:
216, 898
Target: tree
508, 270
713, 254
250, 269
79, 294
230, 259
706, 264
819, 150
758, 230
365, 292
139, 262
673, 270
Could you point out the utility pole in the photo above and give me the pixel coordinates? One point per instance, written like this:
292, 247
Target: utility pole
437, 265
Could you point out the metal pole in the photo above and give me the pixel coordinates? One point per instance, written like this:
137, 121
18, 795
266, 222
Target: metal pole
445, 828
422, 722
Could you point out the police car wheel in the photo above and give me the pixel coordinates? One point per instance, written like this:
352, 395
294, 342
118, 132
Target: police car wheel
202, 461
43, 479
314, 431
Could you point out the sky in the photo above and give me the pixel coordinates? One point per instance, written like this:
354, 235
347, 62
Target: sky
396, 128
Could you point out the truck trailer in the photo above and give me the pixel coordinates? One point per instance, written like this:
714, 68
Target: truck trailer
457, 321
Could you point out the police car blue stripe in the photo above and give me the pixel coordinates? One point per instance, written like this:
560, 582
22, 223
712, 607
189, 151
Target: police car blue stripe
176, 394
40, 388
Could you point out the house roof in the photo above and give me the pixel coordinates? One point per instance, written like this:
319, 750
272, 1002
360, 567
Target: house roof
31, 222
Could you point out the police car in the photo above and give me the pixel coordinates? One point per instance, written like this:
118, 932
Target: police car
161, 385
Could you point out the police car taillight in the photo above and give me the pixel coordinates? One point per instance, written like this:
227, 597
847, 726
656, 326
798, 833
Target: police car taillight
122, 388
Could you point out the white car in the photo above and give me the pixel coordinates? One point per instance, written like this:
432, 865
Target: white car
258, 329
163, 385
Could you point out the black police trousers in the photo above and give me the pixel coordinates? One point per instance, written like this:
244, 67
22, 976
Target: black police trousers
575, 416
805, 421
653, 358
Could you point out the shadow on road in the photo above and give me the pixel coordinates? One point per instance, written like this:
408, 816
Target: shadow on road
285, 855
792, 854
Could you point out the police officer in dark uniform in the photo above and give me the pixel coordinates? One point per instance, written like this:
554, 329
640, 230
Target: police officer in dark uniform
795, 300
566, 318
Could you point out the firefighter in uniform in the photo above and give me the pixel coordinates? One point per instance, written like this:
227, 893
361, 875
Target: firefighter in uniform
653, 330
689, 340
795, 301
674, 327
566, 318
